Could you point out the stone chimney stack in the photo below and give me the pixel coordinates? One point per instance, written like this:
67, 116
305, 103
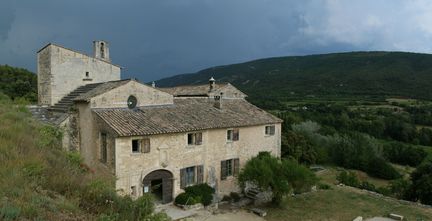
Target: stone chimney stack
218, 101
212, 83
101, 50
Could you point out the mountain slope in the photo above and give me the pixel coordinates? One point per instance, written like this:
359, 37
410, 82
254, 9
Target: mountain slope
340, 74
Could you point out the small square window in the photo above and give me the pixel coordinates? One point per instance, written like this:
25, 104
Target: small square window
270, 130
232, 135
194, 138
135, 146
87, 74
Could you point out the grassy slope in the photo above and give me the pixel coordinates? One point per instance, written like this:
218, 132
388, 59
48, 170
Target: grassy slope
330, 75
34, 173
343, 203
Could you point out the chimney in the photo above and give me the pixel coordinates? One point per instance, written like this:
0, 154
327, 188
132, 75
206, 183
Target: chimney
212, 83
218, 101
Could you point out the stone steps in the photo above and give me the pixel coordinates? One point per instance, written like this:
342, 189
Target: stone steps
67, 101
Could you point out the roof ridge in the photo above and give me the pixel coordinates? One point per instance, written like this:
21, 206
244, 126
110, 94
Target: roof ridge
79, 52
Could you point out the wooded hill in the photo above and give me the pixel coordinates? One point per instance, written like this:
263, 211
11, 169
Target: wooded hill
18, 82
372, 74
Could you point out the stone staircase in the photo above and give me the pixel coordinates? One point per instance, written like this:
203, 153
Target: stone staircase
67, 101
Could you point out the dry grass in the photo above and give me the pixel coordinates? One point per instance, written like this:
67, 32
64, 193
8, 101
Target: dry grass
329, 175
344, 203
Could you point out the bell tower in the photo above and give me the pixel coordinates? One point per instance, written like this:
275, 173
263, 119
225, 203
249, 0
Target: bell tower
101, 50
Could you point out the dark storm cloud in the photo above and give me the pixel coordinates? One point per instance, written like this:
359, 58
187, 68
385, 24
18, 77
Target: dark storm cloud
155, 39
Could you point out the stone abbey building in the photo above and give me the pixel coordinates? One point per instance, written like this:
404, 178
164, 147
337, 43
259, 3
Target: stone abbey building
151, 139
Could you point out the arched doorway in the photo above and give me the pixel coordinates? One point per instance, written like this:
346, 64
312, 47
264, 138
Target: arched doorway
159, 183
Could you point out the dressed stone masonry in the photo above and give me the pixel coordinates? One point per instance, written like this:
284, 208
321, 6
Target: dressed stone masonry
156, 140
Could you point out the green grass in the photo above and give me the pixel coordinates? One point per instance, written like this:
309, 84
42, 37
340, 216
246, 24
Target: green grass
343, 203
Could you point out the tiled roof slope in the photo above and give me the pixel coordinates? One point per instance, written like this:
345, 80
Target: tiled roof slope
192, 90
184, 115
100, 89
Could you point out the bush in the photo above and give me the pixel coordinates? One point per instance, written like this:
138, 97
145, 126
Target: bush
235, 196
348, 178
201, 191
367, 186
9, 212
400, 153
186, 199
380, 168
267, 171
324, 186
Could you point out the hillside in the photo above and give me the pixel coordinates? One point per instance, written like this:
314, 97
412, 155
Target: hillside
372, 74
18, 82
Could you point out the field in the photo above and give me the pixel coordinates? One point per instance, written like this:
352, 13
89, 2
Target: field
344, 203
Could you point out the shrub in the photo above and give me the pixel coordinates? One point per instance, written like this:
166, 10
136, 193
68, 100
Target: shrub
144, 206
348, 178
367, 186
380, 168
9, 212
202, 193
422, 183
324, 186
186, 199
266, 171
235, 196
404, 154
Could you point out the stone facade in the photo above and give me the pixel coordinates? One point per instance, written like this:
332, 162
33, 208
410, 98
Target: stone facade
104, 128
171, 152
62, 70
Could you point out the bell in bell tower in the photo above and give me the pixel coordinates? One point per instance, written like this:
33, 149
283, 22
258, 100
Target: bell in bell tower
101, 50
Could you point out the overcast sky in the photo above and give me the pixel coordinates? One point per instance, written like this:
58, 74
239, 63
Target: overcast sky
153, 39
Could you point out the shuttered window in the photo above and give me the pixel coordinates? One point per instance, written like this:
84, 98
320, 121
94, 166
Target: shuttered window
191, 176
183, 178
145, 145
194, 138
229, 168
236, 168
233, 135
141, 145
200, 174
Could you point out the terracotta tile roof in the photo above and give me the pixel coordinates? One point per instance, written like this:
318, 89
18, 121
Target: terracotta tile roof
100, 88
192, 90
186, 114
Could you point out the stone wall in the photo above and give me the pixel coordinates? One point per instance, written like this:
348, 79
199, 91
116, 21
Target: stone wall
61, 70
145, 95
228, 91
44, 76
171, 152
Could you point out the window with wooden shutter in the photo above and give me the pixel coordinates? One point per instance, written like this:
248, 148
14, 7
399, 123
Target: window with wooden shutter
200, 174
145, 145
236, 167
235, 134
183, 178
223, 170
198, 138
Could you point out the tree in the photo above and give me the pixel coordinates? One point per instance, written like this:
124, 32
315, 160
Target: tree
421, 186
281, 176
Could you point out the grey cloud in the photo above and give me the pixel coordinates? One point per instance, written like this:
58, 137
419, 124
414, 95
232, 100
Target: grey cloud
155, 39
